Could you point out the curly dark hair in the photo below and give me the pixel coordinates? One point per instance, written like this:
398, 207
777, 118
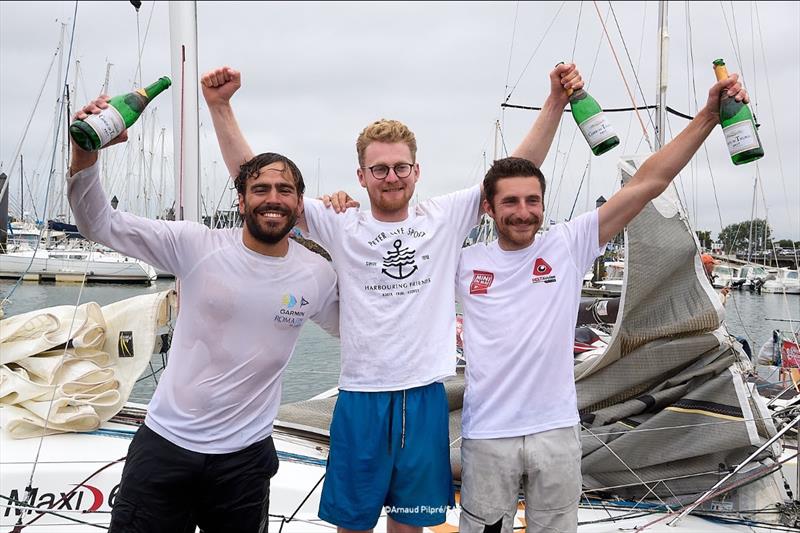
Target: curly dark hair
510, 167
251, 169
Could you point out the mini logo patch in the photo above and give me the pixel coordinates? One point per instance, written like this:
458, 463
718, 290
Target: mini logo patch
125, 344
481, 281
542, 272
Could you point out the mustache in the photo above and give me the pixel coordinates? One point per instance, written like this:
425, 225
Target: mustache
520, 221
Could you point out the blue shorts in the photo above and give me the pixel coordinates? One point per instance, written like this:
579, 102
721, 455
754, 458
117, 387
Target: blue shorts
388, 450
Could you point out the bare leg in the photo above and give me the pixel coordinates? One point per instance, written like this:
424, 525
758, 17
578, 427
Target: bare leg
393, 526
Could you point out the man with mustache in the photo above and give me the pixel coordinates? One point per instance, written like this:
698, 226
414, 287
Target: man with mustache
389, 445
520, 424
204, 456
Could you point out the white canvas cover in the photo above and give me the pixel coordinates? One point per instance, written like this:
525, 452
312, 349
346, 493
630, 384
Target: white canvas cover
69, 368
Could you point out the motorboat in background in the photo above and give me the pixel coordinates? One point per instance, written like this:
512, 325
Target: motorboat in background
784, 281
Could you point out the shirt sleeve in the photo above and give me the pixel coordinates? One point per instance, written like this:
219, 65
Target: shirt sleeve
163, 244
461, 207
583, 235
323, 223
327, 316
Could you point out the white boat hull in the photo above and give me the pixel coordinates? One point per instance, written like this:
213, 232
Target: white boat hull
52, 268
66, 460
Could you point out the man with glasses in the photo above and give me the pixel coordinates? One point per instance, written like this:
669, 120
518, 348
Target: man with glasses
396, 267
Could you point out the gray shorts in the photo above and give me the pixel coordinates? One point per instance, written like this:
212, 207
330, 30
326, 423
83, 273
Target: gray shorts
547, 466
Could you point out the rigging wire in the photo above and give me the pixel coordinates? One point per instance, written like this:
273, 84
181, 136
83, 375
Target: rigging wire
28, 488
636, 69
733, 42
544, 36
577, 31
628, 54
553, 198
30, 118
789, 211
510, 55
622, 73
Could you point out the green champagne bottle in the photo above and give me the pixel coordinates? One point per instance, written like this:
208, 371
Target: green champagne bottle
740, 129
96, 131
592, 122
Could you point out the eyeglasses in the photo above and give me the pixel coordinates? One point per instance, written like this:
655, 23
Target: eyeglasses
401, 170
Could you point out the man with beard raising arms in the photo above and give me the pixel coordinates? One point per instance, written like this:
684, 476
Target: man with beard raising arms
520, 422
204, 456
389, 445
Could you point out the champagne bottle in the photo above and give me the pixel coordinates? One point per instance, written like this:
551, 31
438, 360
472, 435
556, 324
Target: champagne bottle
738, 125
96, 131
592, 122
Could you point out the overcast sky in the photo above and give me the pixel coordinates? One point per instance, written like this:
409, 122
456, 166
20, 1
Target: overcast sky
314, 74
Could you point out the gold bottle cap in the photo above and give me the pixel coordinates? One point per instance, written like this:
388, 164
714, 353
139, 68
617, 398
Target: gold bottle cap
720, 70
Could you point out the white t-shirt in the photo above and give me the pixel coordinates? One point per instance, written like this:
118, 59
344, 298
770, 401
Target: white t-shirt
239, 319
398, 324
520, 309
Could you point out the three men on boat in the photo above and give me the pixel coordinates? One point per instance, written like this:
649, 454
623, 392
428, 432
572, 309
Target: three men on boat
389, 435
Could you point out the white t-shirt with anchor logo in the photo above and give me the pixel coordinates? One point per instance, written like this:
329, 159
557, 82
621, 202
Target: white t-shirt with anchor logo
397, 300
520, 309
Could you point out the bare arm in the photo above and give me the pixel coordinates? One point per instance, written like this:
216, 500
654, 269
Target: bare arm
219, 86
536, 144
661, 168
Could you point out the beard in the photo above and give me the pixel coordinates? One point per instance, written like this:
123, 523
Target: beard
392, 202
267, 231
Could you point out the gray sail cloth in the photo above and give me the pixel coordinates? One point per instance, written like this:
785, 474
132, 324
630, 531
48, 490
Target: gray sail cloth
666, 403
667, 399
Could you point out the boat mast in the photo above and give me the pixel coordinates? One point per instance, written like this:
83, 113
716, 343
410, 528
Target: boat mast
663, 53
186, 138
21, 191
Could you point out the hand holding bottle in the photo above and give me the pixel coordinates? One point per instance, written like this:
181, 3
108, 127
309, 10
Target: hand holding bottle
82, 158
564, 79
730, 87
740, 129
219, 85
588, 114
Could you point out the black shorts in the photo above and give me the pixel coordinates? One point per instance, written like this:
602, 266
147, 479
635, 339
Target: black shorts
166, 488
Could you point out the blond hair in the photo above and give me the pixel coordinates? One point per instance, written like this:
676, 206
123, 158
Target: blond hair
386, 131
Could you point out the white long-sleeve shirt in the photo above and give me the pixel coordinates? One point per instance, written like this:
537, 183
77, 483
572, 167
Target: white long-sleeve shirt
239, 319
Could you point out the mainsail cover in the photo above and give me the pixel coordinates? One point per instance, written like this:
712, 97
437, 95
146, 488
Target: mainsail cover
665, 410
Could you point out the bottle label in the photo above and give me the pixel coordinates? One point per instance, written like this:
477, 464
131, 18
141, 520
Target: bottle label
741, 137
107, 124
596, 129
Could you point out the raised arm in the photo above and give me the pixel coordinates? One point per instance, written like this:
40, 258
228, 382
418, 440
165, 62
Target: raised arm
219, 85
536, 144
661, 168
158, 242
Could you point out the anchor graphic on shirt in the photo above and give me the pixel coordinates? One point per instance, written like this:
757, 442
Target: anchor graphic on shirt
397, 259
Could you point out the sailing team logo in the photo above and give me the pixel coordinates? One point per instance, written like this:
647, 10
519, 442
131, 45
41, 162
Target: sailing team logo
481, 281
290, 314
290, 301
542, 272
397, 260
